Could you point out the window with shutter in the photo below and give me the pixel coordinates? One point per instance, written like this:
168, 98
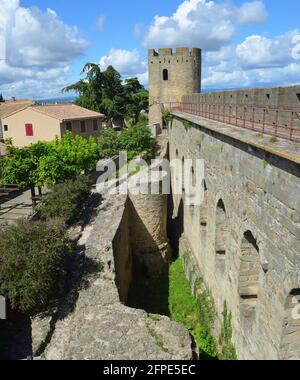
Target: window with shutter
29, 129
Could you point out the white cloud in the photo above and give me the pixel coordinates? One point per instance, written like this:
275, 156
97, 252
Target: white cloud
127, 62
38, 47
101, 22
259, 51
257, 61
203, 23
252, 13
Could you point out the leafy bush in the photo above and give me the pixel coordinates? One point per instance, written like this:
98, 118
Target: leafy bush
32, 263
108, 143
46, 163
167, 116
64, 201
137, 140
67, 158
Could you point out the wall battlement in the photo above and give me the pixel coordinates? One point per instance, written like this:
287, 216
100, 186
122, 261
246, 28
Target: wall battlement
194, 52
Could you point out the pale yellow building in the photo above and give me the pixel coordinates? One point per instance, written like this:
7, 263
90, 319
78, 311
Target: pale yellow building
33, 123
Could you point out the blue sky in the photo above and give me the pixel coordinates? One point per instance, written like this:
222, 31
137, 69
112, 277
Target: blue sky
245, 43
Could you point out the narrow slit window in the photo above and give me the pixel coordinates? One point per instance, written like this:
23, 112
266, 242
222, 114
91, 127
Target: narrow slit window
165, 74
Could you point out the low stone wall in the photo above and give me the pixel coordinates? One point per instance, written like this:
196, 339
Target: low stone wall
96, 325
276, 97
245, 236
264, 98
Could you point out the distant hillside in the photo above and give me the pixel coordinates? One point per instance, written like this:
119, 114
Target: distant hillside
69, 99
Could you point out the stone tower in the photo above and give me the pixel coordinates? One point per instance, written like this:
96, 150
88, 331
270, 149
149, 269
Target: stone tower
172, 74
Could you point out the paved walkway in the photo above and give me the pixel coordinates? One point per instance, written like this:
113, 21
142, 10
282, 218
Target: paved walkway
16, 208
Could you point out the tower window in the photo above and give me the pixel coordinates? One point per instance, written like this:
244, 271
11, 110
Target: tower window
5, 128
165, 74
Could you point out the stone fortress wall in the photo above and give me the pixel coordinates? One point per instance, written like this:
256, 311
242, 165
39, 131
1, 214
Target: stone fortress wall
270, 99
245, 237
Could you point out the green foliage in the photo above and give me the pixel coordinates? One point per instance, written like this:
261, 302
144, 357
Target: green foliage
32, 263
108, 143
21, 165
67, 158
228, 351
1, 99
197, 315
46, 163
273, 140
137, 140
187, 125
137, 98
167, 116
158, 341
103, 91
65, 200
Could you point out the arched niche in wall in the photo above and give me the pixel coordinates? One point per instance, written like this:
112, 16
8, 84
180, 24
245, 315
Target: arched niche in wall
290, 340
249, 276
221, 235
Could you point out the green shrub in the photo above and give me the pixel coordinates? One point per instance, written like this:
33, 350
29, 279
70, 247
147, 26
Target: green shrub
228, 351
108, 143
33, 258
167, 116
137, 140
65, 200
187, 125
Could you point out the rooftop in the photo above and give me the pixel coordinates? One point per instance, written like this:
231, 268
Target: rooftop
65, 111
12, 106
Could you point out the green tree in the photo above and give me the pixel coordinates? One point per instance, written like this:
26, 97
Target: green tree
108, 143
137, 140
67, 158
47, 163
104, 91
137, 99
1, 99
21, 165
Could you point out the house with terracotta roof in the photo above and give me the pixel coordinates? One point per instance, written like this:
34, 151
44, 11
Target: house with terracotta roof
33, 122
8, 107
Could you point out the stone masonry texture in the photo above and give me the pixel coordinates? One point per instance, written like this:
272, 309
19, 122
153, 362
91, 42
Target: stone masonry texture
259, 187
